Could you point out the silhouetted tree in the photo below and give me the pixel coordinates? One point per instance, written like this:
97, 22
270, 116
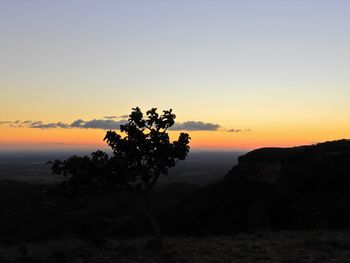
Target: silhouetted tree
141, 153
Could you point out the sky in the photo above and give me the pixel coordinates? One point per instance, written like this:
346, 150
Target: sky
237, 74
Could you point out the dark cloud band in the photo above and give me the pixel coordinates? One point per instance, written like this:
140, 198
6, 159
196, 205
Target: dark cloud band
108, 124
195, 126
97, 124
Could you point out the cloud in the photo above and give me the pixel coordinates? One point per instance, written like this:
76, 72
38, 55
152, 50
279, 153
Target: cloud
97, 124
15, 124
116, 117
5, 122
77, 123
108, 123
234, 130
238, 130
110, 117
103, 124
36, 122
41, 125
195, 126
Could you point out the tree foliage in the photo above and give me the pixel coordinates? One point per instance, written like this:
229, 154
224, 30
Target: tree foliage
142, 151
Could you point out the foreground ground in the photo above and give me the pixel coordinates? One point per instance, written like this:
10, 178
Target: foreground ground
297, 246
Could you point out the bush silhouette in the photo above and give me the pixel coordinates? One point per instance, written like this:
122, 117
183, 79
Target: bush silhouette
139, 157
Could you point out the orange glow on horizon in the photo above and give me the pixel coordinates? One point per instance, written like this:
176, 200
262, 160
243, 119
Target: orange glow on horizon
17, 138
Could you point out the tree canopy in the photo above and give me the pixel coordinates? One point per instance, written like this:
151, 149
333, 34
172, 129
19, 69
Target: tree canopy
142, 151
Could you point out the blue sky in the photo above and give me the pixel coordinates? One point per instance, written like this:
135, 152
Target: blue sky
242, 64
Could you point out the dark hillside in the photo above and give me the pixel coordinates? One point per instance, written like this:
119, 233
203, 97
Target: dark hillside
299, 187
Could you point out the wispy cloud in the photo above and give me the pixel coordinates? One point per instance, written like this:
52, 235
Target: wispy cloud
41, 125
112, 117
196, 126
26, 122
97, 124
238, 130
15, 124
79, 123
113, 123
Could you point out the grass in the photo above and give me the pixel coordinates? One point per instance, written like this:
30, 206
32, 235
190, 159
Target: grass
262, 247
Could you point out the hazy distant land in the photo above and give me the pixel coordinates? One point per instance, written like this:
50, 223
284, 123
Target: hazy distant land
201, 167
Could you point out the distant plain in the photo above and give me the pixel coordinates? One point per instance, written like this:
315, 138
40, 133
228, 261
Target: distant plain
201, 167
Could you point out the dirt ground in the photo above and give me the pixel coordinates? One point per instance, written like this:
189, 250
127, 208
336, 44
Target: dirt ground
262, 247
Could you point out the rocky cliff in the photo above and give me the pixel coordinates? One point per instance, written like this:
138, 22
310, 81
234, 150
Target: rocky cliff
299, 187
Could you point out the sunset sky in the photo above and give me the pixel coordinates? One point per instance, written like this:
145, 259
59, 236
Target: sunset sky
238, 74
